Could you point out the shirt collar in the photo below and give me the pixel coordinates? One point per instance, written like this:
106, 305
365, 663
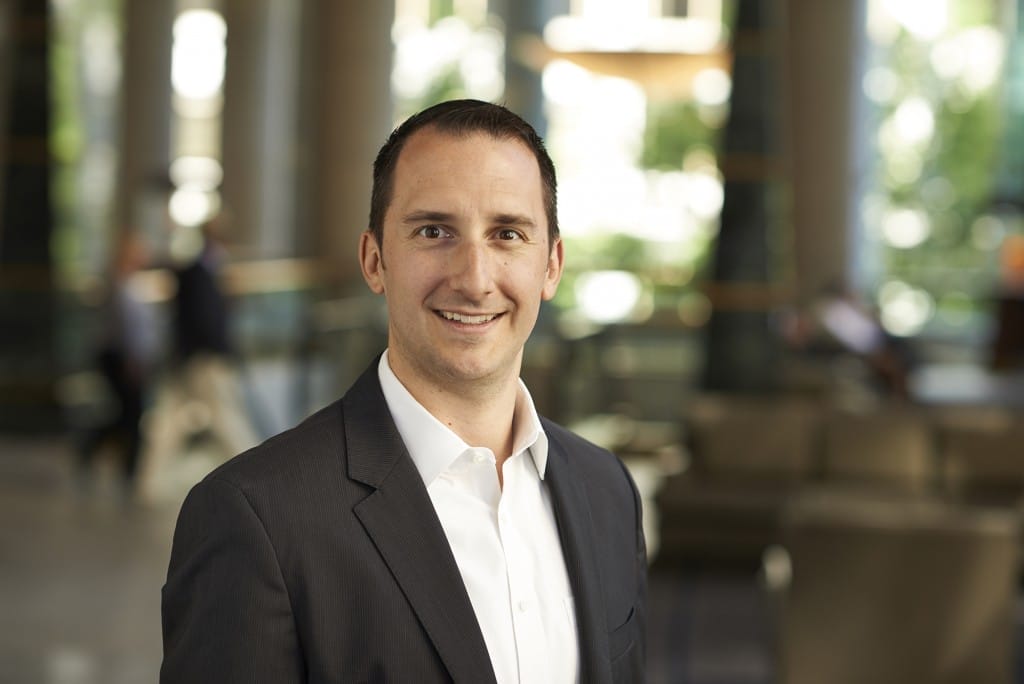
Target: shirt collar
433, 447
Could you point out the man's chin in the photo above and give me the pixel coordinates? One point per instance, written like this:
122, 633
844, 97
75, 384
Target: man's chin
470, 371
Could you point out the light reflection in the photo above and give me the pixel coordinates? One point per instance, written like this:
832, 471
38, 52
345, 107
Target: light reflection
424, 54
202, 172
602, 200
904, 309
973, 57
706, 195
694, 309
630, 30
101, 64
905, 228
925, 19
197, 62
481, 65
987, 233
914, 120
99, 169
564, 83
712, 87
881, 85
947, 58
985, 50
190, 205
904, 166
602, 190
608, 296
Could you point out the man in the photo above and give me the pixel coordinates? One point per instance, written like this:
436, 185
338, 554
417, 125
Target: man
428, 527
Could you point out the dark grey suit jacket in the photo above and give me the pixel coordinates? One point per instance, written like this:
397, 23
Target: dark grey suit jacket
318, 557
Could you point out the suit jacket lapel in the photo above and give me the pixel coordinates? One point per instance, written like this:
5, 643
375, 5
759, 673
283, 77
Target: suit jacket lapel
576, 529
400, 519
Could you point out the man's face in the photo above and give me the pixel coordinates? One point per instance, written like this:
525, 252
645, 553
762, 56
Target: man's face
466, 260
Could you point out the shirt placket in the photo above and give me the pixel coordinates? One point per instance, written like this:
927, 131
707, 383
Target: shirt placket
527, 623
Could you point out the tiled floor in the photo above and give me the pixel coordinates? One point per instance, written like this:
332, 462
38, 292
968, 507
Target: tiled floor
80, 577
80, 573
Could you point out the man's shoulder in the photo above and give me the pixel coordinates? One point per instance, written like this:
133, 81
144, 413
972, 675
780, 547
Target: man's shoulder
318, 444
315, 443
584, 455
570, 440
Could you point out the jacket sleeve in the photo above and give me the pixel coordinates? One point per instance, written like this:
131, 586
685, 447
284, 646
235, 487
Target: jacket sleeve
226, 612
629, 664
641, 572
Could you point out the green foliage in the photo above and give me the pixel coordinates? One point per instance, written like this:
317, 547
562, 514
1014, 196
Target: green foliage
964, 155
673, 128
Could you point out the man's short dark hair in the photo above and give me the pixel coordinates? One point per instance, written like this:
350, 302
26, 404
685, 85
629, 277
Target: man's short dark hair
461, 118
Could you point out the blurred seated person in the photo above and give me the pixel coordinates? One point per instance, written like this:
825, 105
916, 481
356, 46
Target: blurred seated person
837, 320
1007, 351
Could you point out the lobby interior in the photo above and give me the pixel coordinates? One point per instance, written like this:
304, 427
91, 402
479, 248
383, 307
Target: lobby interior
793, 302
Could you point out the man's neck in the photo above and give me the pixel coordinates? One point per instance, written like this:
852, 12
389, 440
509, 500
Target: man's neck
481, 412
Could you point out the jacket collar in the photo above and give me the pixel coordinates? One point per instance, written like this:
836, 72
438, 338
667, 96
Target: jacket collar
576, 530
400, 519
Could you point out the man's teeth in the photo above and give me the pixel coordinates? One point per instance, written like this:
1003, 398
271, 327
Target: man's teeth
466, 318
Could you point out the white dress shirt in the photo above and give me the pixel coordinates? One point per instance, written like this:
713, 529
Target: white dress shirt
504, 538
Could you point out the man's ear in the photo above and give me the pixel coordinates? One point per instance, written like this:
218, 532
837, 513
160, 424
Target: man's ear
556, 261
371, 261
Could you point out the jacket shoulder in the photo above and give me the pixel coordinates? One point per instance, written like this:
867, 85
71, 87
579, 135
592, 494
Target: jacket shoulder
596, 465
318, 438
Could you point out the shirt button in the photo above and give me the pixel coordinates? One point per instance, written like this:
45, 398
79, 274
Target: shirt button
478, 457
524, 606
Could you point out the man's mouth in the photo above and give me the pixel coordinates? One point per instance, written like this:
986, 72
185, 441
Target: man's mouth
468, 319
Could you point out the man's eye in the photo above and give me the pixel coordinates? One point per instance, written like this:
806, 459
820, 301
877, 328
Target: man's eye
509, 234
432, 232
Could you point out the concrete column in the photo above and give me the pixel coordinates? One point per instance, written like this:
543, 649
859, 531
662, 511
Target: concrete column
742, 350
828, 157
261, 102
146, 114
28, 363
6, 60
348, 78
523, 93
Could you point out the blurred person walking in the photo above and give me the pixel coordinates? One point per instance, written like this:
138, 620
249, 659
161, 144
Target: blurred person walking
126, 356
202, 390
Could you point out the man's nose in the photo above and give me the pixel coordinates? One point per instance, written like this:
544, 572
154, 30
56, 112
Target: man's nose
472, 269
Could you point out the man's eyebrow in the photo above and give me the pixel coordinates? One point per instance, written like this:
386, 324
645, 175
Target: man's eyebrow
428, 215
422, 215
513, 220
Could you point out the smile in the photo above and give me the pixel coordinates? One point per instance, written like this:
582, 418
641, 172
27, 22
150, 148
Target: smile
467, 318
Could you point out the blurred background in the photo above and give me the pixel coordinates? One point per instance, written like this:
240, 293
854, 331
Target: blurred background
793, 300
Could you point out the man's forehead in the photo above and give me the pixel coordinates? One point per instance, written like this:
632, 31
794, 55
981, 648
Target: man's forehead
431, 139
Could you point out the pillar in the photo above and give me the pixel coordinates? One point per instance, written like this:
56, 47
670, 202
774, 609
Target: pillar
824, 69
749, 258
260, 124
145, 116
348, 84
523, 93
27, 291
